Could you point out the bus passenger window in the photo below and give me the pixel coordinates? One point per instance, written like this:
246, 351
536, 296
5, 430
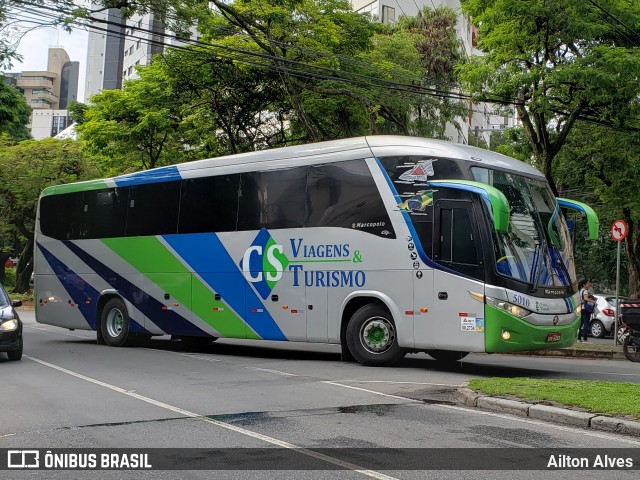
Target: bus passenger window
105, 213
209, 204
153, 209
272, 199
345, 195
61, 216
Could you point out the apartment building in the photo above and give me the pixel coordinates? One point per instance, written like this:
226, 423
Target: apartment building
49, 92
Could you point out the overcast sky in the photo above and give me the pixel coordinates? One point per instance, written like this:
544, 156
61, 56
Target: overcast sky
35, 45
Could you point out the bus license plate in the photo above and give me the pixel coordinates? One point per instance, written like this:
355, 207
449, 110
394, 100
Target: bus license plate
553, 337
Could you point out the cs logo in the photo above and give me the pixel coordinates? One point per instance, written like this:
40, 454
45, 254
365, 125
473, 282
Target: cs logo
263, 263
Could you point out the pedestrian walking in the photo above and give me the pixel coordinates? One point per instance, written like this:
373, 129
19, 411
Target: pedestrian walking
588, 307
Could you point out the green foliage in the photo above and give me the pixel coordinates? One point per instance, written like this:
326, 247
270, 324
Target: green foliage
561, 61
25, 170
137, 127
9, 278
77, 112
14, 112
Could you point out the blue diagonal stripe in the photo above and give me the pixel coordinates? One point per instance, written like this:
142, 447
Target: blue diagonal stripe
167, 320
204, 253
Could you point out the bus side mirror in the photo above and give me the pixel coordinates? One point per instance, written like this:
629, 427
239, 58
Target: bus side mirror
592, 216
495, 198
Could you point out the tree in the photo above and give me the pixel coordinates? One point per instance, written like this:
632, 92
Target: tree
14, 112
601, 166
137, 127
560, 62
25, 170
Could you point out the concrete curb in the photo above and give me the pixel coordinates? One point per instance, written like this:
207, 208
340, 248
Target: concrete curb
547, 413
572, 352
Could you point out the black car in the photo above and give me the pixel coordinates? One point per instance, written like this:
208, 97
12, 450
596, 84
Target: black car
10, 327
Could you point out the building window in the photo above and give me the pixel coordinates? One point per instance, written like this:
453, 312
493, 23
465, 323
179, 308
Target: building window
371, 8
138, 44
388, 14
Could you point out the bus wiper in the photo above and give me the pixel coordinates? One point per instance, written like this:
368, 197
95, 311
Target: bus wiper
535, 268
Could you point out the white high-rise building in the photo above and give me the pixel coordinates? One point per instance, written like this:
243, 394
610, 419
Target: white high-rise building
105, 52
482, 118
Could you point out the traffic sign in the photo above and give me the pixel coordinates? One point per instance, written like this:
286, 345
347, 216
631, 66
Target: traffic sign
619, 230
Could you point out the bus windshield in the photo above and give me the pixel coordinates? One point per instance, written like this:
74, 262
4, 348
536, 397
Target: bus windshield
537, 247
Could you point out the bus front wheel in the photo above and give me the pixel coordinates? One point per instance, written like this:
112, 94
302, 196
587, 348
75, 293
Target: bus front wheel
114, 324
372, 337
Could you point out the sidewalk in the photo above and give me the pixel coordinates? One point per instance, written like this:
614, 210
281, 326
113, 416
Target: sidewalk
548, 412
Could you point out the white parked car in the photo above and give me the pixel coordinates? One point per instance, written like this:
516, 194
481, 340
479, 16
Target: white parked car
603, 321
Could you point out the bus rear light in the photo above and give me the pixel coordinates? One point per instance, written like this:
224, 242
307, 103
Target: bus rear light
424, 310
284, 307
164, 307
408, 312
218, 309
294, 311
176, 304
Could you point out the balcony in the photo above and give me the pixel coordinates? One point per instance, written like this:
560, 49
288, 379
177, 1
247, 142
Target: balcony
36, 81
45, 95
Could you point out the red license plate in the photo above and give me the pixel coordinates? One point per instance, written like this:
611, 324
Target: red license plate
554, 337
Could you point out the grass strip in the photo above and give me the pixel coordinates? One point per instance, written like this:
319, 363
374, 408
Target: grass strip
607, 398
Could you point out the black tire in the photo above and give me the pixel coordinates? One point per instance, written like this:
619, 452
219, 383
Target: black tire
371, 337
623, 333
447, 356
596, 329
15, 355
114, 324
631, 350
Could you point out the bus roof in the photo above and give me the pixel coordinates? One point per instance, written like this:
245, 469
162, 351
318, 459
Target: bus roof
322, 152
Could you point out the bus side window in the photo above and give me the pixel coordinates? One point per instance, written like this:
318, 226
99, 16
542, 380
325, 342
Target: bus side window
457, 243
153, 209
105, 213
272, 199
209, 204
345, 195
62, 216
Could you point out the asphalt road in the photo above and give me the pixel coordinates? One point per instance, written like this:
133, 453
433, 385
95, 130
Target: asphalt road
68, 392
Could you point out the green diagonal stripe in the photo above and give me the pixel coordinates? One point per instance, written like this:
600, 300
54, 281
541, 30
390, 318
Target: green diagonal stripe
149, 256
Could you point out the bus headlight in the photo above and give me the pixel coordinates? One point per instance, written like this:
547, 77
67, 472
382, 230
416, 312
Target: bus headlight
8, 326
505, 335
514, 310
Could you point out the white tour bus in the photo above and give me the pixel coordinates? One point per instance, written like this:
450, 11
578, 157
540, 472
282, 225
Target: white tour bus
383, 244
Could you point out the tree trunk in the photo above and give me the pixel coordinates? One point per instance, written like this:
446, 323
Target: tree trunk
24, 269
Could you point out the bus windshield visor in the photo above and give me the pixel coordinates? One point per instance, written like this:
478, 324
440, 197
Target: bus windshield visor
537, 248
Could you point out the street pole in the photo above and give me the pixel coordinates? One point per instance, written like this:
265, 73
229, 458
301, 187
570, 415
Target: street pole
615, 330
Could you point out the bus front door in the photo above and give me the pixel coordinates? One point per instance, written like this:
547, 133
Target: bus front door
457, 316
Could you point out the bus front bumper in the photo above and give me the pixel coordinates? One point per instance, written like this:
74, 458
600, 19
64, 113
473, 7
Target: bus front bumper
523, 336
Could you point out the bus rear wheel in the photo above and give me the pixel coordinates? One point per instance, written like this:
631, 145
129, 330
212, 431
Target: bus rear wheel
372, 338
114, 324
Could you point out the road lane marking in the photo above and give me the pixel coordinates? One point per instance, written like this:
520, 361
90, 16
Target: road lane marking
243, 431
189, 355
7, 435
57, 332
544, 424
276, 372
372, 391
